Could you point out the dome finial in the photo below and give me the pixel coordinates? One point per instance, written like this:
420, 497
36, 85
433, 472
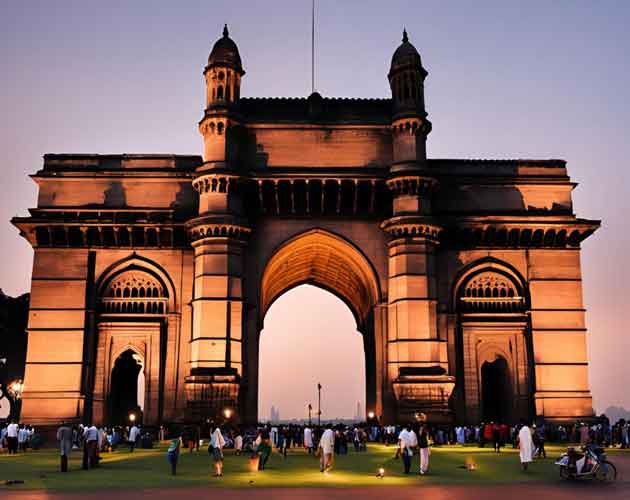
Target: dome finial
405, 37
225, 31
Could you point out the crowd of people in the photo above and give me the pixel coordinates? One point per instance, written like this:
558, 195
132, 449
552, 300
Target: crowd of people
325, 441
15, 437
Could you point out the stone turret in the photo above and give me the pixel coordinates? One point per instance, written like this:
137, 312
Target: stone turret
223, 89
410, 126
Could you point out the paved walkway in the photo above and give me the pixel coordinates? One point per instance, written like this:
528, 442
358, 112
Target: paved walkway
560, 490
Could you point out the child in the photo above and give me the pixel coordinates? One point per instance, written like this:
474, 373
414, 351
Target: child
172, 455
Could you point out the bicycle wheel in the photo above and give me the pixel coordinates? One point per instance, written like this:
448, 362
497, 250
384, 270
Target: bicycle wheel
606, 472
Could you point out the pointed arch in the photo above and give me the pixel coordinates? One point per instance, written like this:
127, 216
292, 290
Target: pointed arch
326, 260
139, 264
496, 279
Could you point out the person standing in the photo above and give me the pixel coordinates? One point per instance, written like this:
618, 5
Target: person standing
12, 437
217, 442
525, 445
134, 434
423, 444
172, 454
90, 459
263, 448
326, 448
308, 439
22, 438
64, 436
238, 442
404, 447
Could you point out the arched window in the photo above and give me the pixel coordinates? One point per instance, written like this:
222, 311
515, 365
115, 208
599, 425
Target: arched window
490, 292
133, 293
220, 92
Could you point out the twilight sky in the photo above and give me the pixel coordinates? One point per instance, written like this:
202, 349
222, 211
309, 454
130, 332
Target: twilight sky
506, 80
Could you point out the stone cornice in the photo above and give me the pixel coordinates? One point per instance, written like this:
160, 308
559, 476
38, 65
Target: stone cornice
412, 185
529, 232
412, 226
213, 226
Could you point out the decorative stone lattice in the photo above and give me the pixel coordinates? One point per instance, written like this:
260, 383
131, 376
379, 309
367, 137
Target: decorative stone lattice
490, 292
134, 293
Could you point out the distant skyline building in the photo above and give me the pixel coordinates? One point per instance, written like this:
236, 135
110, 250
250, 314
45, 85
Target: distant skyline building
274, 414
359, 415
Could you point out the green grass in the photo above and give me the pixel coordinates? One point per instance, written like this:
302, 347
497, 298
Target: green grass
149, 469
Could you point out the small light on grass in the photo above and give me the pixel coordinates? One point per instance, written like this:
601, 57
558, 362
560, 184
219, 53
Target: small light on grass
470, 465
381, 473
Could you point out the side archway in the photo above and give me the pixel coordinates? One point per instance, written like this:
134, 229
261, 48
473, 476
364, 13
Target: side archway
134, 299
490, 299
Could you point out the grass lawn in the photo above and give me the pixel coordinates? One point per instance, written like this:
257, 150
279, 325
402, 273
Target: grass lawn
149, 469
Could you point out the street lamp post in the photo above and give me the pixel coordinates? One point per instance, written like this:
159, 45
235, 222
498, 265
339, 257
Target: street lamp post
319, 405
310, 409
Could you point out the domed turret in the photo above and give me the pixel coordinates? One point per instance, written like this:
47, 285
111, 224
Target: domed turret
223, 72
405, 56
225, 53
409, 117
223, 91
406, 79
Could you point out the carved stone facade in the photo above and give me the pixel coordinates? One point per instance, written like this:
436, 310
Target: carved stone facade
447, 265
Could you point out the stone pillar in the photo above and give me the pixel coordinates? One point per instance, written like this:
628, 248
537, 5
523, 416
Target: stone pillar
218, 239
559, 335
417, 364
56, 327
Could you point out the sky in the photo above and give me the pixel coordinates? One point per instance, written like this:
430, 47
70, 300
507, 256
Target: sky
507, 79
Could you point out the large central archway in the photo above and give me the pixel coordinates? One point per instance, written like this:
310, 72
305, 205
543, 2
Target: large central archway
328, 261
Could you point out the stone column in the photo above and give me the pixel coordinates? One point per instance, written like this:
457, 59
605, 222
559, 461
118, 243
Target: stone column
417, 367
218, 239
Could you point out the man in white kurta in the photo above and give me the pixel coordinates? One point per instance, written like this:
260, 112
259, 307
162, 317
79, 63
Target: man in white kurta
525, 445
326, 448
308, 439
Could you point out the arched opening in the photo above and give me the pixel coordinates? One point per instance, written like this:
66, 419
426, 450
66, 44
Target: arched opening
332, 264
127, 388
493, 352
310, 337
496, 391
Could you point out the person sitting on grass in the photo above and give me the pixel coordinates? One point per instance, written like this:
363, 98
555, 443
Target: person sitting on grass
172, 454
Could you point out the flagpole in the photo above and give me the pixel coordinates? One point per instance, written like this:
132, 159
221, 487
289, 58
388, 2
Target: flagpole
313, 46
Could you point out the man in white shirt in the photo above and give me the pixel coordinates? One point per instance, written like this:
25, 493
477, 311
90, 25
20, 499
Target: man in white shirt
308, 439
90, 446
326, 448
134, 432
12, 437
405, 447
23, 438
